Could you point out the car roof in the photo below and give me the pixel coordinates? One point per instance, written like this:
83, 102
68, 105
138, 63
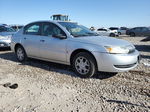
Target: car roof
140, 27
52, 21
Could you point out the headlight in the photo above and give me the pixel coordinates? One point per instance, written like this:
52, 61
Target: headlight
117, 49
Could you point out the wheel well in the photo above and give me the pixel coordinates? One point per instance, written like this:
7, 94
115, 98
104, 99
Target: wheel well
17, 46
112, 34
131, 33
78, 51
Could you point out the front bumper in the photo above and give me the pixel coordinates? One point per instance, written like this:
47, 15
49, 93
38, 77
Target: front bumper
116, 62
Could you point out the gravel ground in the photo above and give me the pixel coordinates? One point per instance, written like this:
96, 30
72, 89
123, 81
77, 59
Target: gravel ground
50, 87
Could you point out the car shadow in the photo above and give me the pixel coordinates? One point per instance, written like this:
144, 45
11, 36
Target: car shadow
144, 48
50, 66
127, 103
145, 56
146, 39
104, 75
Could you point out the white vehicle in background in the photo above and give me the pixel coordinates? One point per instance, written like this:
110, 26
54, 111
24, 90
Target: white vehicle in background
5, 36
107, 32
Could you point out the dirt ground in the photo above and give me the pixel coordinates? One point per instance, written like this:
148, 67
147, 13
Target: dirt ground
50, 87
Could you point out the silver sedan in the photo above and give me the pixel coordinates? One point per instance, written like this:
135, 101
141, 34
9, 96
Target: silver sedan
73, 44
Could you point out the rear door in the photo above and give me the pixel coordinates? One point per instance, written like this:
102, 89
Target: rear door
138, 31
145, 31
31, 39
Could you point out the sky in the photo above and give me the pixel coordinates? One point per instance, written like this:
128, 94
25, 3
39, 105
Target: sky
97, 13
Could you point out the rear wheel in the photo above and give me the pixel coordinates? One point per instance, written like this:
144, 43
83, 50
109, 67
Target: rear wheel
21, 54
84, 65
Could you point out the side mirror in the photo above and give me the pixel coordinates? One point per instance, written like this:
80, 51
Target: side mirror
59, 36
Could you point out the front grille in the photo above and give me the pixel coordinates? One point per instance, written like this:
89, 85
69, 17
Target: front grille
125, 66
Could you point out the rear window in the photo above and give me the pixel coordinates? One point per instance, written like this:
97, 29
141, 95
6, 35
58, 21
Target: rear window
32, 29
124, 28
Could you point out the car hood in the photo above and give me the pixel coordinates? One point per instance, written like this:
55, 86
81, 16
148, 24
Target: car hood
102, 41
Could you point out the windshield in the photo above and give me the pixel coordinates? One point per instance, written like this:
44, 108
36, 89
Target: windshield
77, 30
6, 29
10, 30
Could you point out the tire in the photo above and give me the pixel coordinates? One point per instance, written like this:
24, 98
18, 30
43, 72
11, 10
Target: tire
21, 54
87, 68
132, 34
119, 33
112, 35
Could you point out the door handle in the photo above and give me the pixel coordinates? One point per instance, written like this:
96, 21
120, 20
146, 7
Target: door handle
42, 40
25, 38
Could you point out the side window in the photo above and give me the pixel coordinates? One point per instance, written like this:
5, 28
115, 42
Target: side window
32, 29
101, 30
50, 29
123, 28
137, 29
144, 29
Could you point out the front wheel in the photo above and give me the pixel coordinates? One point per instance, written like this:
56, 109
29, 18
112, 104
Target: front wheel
84, 65
21, 54
112, 35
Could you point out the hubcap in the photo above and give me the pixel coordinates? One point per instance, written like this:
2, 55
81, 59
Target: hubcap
82, 65
20, 54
